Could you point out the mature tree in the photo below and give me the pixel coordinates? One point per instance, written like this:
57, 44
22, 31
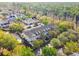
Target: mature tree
55, 43
71, 47
45, 20
68, 36
7, 40
63, 37
65, 25
72, 37
49, 51
54, 33
21, 50
16, 27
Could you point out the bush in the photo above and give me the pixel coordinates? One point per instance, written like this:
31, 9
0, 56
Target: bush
49, 51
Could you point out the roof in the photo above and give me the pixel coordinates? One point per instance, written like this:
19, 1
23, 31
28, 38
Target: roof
17, 37
34, 33
3, 21
30, 20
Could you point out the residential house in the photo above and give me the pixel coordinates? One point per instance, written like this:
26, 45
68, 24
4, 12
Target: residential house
35, 33
32, 23
4, 23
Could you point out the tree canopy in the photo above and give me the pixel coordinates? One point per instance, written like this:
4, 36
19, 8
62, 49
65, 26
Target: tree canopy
7, 40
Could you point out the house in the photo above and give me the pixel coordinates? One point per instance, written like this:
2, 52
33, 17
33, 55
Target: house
17, 37
11, 17
4, 23
35, 33
32, 23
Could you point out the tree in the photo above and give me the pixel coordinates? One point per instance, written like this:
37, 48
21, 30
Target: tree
7, 40
18, 19
45, 20
21, 50
63, 37
65, 25
49, 51
29, 15
68, 36
37, 43
54, 33
72, 37
24, 8
55, 43
71, 47
16, 27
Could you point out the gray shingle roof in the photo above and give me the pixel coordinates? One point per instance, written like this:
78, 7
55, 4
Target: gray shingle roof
34, 33
30, 20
